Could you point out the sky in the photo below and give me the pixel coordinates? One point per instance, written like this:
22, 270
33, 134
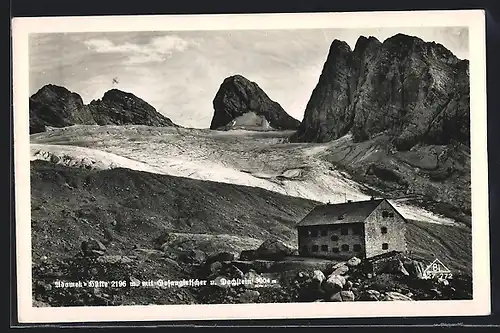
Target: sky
179, 72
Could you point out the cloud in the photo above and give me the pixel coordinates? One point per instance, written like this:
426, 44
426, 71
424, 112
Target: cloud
157, 50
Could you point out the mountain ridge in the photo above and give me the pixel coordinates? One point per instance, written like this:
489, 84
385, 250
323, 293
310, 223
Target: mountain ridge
56, 106
417, 91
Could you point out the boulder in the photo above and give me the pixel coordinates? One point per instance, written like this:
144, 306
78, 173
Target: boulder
134, 281
115, 259
252, 277
196, 257
222, 256
347, 296
232, 272
273, 249
93, 247
348, 285
40, 304
318, 276
435, 292
336, 297
370, 295
302, 276
164, 240
395, 296
354, 261
395, 266
244, 266
333, 283
249, 296
401, 269
173, 253
340, 270
215, 267
329, 270
262, 265
172, 263
415, 268
248, 255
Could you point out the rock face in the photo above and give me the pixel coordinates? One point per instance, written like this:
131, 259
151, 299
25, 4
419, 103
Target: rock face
121, 108
58, 107
238, 96
416, 91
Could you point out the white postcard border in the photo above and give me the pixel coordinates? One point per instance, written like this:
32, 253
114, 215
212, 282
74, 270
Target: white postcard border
473, 19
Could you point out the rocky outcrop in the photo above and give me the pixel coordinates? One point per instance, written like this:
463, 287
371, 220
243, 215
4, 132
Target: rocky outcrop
416, 91
56, 106
238, 96
121, 108
93, 247
273, 249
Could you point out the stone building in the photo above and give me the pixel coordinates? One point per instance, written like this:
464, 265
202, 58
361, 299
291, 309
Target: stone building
363, 229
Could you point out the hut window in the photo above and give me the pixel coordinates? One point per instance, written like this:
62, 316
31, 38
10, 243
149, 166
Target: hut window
383, 230
324, 248
356, 248
344, 231
345, 247
335, 249
391, 214
356, 230
314, 233
385, 214
334, 238
385, 246
324, 232
314, 248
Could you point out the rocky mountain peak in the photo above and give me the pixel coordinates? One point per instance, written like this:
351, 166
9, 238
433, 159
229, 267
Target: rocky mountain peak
339, 46
366, 43
237, 96
122, 108
403, 39
56, 106
339, 51
53, 91
237, 78
118, 95
416, 91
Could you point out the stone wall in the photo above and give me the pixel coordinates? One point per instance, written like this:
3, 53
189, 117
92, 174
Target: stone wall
395, 235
